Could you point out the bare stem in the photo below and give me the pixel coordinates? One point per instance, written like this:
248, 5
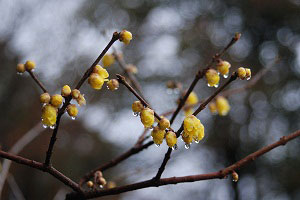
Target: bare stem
175, 180
37, 81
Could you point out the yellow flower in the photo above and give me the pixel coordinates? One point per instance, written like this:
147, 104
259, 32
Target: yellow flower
212, 107
29, 65
212, 78
132, 69
113, 84
66, 91
193, 128
75, 94
164, 123
125, 36
222, 105
45, 98
188, 139
157, 135
192, 99
101, 71
21, 68
248, 73
137, 107
235, 176
223, 68
96, 81
171, 139
49, 114
242, 73
111, 184
108, 60
72, 110
90, 184
147, 117
81, 100
56, 100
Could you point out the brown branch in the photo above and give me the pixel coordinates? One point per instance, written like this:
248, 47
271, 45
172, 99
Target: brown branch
134, 150
61, 111
130, 76
200, 75
17, 148
37, 81
175, 180
42, 167
122, 80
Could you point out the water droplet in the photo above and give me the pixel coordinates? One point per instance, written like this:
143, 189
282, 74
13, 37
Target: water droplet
225, 75
181, 138
45, 126
175, 147
197, 141
52, 127
107, 87
216, 86
101, 186
209, 85
234, 180
73, 118
135, 114
33, 70
248, 78
157, 145
20, 74
151, 128
187, 146
218, 73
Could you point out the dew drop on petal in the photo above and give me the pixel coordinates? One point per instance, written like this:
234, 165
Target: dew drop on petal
209, 85
135, 114
45, 126
175, 147
216, 86
187, 146
52, 127
225, 75
20, 74
248, 78
157, 145
234, 180
197, 141
73, 118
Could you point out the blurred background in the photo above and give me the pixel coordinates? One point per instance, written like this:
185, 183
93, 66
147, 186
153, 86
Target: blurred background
172, 40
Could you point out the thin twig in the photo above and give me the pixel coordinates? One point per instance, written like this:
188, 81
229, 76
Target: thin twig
61, 111
174, 180
37, 81
130, 76
122, 80
16, 149
42, 167
200, 75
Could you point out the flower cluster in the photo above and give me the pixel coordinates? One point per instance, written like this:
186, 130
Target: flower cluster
244, 73
160, 133
193, 130
28, 66
220, 106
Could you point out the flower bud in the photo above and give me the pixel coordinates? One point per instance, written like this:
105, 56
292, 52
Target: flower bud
223, 68
248, 73
212, 78
147, 117
235, 176
90, 184
113, 84
45, 98
66, 91
125, 36
101, 71
96, 81
75, 94
137, 106
29, 65
108, 60
212, 107
222, 105
72, 110
81, 100
21, 68
242, 73
171, 139
157, 135
56, 100
192, 99
49, 115
164, 123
